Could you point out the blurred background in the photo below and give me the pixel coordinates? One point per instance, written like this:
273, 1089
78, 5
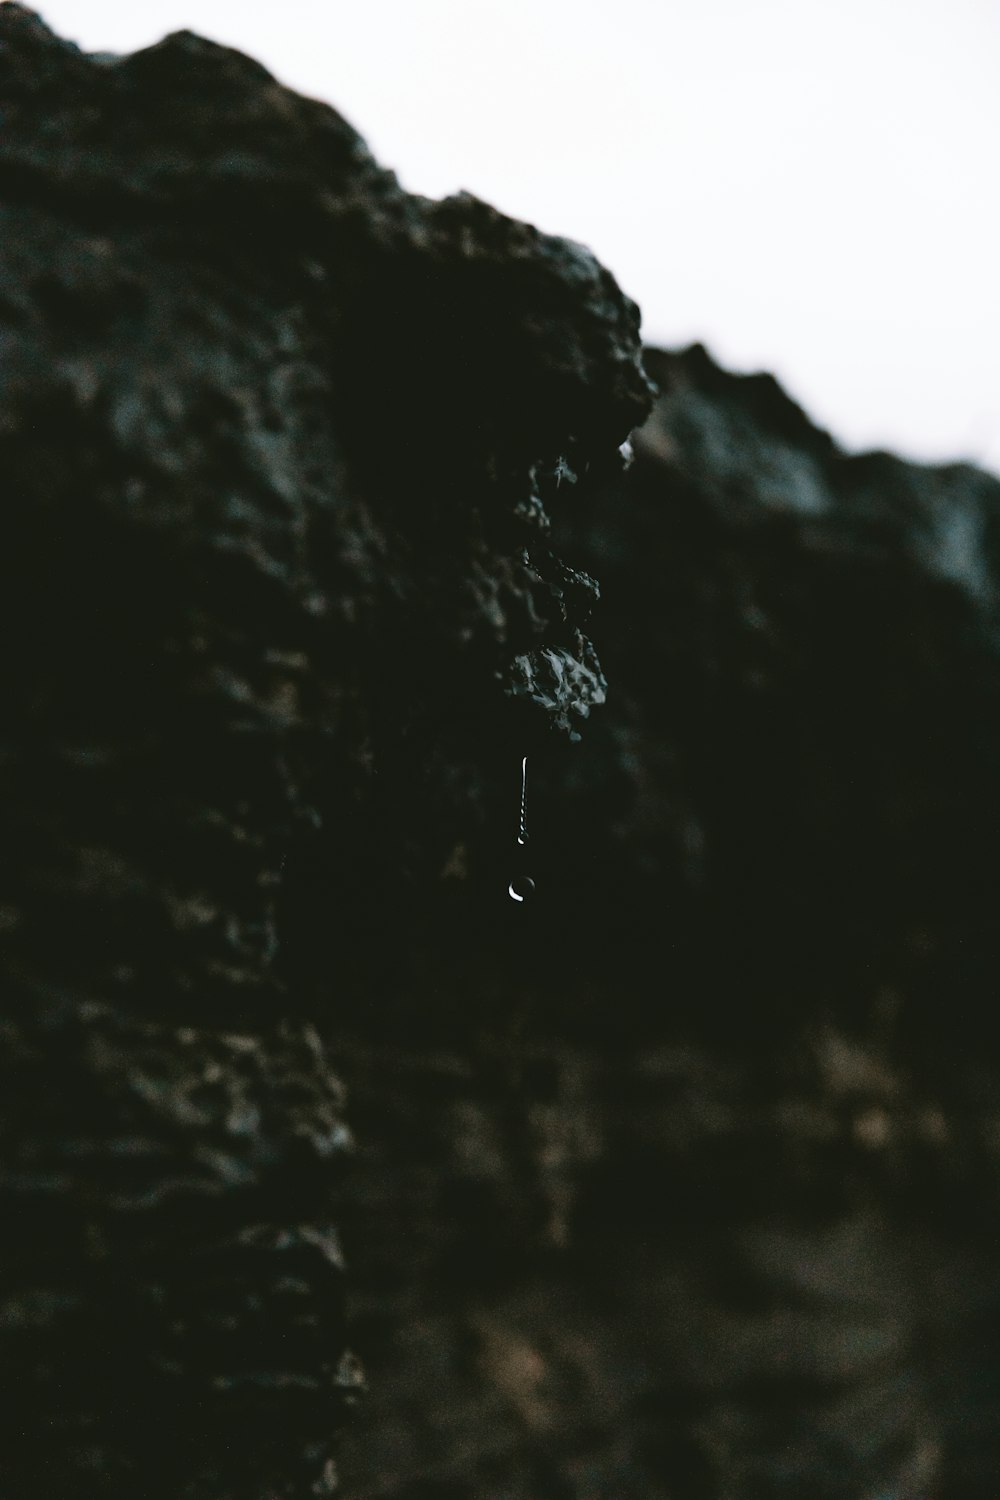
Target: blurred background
806, 188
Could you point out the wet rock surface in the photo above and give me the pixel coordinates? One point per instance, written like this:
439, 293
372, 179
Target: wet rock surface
677, 1181
275, 445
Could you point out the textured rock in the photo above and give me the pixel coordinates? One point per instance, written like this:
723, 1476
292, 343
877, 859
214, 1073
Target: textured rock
679, 1183
275, 444
697, 1193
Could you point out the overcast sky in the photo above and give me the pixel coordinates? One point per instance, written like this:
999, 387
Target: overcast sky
807, 186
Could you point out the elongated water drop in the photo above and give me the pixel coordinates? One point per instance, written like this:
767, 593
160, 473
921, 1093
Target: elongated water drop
522, 887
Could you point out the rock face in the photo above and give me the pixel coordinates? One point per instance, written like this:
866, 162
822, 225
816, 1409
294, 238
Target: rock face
782, 1150
680, 1181
698, 1193
275, 443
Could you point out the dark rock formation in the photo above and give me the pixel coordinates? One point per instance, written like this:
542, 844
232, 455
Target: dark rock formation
679, 1182
275, 444
698, 1195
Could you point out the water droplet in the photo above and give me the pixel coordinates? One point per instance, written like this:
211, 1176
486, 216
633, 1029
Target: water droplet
522, 886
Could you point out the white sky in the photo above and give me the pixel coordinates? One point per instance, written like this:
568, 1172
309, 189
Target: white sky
807, 186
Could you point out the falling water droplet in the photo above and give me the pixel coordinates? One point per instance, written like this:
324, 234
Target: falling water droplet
522, 886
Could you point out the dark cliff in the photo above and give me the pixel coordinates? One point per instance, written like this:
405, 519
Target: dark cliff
678, 1182
699, 1179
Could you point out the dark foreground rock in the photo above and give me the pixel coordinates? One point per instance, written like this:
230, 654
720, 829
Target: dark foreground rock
275, 438
676, 1183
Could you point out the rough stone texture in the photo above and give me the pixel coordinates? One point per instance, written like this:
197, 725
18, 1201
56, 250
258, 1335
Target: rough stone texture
679, 1183
275, 444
